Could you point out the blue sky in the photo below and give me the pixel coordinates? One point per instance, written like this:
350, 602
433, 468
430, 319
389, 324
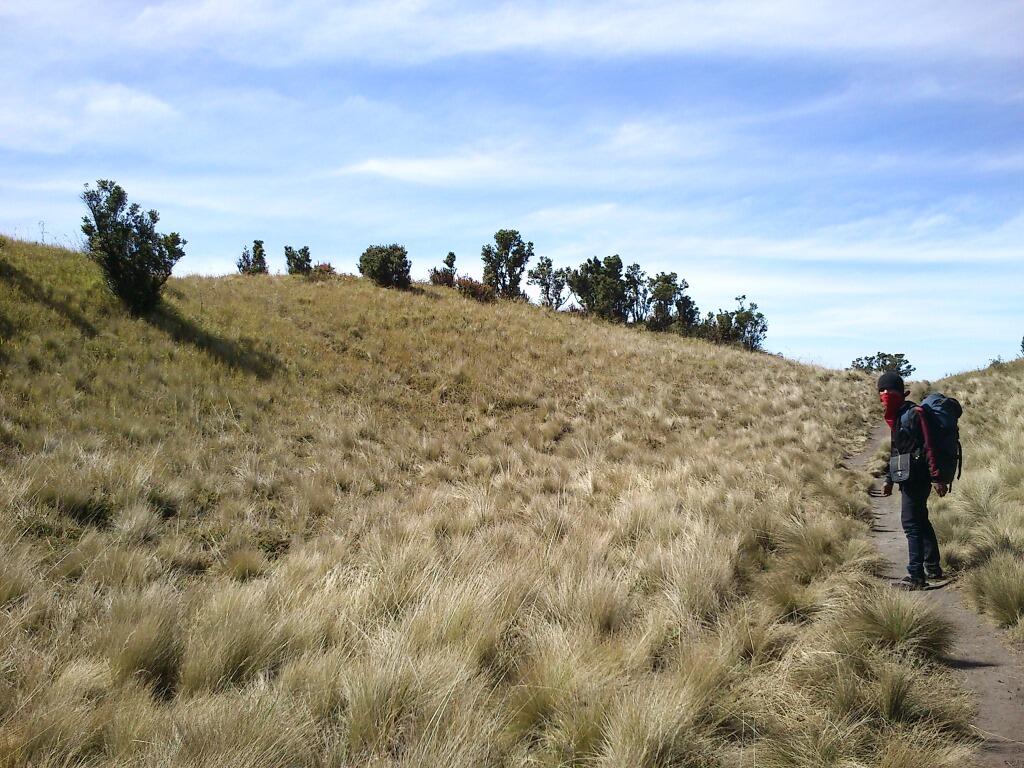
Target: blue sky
855, 169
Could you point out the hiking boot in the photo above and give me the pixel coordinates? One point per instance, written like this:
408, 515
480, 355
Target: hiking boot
913, 583
935, 575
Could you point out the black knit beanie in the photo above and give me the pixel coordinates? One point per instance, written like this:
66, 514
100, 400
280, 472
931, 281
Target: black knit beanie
890, 380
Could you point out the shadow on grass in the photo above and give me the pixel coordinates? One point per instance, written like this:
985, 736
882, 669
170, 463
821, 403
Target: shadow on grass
241, 355
6, 334
36, 292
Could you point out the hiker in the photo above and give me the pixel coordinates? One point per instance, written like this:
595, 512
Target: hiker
913, 465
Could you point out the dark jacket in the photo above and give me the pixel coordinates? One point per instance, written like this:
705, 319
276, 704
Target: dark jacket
908, 437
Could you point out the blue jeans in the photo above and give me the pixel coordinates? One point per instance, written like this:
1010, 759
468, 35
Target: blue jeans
922, 545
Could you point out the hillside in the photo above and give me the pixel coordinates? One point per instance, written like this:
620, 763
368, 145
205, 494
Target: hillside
981, 524
287, 523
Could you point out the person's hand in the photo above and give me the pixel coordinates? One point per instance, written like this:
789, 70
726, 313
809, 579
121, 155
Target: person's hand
940, 488
887, 488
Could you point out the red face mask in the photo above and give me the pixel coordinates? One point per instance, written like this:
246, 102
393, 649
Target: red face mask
892, 401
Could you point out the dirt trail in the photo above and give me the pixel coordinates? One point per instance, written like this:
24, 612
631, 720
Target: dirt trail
989, 669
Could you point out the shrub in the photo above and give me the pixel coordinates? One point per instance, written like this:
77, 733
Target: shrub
259, 258
136, 259
244, 262
884, 361
442, 277
322, 271
744, 326
445, 275
472, 289
504, 263
638, 294
671, 308
550, 281
253, 262
600, 288
298, 262
386, 265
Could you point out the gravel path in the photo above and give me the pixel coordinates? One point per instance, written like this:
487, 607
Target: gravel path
989, 669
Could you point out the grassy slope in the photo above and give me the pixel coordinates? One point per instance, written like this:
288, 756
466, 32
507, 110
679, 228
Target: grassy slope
981, 524
288, 523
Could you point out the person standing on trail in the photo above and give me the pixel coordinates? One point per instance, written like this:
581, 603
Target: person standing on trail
912, 465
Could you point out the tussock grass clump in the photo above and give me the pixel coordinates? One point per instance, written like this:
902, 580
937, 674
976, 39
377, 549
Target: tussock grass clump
245, 563
922, 748
890, 619
106, 562
562, 697
904, 694
83, 504
256, 727
402, 528
655, 731
233, 640
816, 743
17, 575
981, 523
790, 598
427, 704
138, 523
997, 588
143, 638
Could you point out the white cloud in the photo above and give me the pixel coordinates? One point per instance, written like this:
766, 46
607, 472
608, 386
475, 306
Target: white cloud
517, 167
630, 153
679, 238
93, 112
114, 101
469, 168
416, 30
665, 140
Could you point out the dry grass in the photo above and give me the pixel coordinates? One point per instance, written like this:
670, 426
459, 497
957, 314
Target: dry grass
904, 623
289, 523
981, 524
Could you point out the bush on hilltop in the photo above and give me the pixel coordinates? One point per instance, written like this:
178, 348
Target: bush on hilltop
136, 259
253, 262
472, 289
386, 265
504, 263
298, 261
445, 275
322, 271
884, 361
744, 325
551, 282
600, 289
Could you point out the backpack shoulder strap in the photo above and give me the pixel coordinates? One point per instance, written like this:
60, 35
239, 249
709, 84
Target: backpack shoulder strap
922, 417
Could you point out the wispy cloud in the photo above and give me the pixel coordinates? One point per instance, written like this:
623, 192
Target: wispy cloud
460, 169
417, 30
276, 32
91, 112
